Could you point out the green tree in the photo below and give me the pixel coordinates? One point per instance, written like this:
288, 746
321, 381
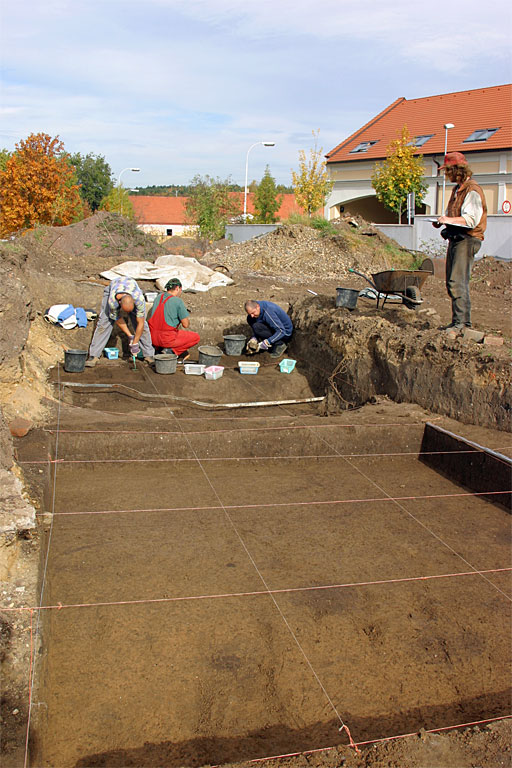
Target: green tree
266, 200
210, 205
311, 184
4, 157
399, 174
94, 176
38, 186
118, 201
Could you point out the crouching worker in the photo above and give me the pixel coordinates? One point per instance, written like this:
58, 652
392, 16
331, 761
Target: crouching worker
122, 300
166, 315
271, 328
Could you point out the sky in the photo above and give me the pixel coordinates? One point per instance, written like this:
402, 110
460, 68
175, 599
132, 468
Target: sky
185, 87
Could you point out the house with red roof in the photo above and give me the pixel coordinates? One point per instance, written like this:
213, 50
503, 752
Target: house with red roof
165, 216
477, 123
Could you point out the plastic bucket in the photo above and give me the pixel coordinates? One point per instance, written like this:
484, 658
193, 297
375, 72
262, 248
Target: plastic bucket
234, 345
166, 363
209, 355
74, 360
346, 297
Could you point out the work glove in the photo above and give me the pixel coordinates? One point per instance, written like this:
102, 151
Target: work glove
264, 346
252, 346
134, 348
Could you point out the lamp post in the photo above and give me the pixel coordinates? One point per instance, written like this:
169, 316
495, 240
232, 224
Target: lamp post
265, 144
134, 170
447, 127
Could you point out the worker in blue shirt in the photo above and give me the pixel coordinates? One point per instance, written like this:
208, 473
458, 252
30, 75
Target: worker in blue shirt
271, 328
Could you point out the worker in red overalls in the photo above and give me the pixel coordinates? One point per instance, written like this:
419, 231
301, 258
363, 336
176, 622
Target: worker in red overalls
167, 314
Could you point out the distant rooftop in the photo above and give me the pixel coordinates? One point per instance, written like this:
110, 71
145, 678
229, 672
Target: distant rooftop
482, 119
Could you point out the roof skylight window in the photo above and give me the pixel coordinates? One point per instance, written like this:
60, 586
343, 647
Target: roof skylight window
419, 141
363, 147
481, 135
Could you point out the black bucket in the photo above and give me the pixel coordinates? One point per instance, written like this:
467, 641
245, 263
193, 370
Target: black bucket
346, 297
234, 345
209, 355
74, 360
166, 362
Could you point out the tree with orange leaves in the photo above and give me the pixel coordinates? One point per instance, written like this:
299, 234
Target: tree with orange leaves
38, 186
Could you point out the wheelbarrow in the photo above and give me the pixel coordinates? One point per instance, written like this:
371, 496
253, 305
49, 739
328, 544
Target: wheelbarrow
402, 282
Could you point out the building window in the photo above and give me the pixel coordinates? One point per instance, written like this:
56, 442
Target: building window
362, 147
419, 141
168, 232
481, 135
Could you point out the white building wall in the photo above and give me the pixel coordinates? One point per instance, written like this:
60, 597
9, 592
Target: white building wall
160, 230
352, 181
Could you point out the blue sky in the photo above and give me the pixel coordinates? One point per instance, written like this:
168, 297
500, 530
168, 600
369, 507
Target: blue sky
180, 87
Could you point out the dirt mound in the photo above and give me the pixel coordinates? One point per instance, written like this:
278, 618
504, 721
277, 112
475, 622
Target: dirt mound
328, 251
89, 247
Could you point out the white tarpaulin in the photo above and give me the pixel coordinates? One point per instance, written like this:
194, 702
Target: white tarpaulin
193, 275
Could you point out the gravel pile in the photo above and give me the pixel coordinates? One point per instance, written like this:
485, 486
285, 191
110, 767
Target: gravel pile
303, 251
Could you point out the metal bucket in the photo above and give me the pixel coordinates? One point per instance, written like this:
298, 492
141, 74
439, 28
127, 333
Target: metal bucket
209, 355
166, 363
346, 297
234, 345
74, 360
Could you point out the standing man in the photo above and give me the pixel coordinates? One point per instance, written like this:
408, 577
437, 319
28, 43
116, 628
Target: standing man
122, 300
166, 315
271, 328
465, 225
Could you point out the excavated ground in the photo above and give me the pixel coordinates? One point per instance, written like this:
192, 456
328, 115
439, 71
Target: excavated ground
155, 500
227, 585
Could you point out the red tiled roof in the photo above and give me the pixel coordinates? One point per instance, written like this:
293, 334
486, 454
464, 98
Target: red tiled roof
469, 111
161, 209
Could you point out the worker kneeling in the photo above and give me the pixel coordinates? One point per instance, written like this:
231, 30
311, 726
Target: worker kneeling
271, 328
166, 315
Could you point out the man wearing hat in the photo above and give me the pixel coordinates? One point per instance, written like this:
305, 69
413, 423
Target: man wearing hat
465, 223
166, 315
122, 300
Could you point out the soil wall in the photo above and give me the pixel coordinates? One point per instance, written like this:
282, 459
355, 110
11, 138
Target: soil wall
401, 354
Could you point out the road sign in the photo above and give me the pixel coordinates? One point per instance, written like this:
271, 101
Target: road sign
507, 206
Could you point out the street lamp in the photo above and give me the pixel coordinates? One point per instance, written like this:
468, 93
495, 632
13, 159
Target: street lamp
265, 144
447, 127
134, 170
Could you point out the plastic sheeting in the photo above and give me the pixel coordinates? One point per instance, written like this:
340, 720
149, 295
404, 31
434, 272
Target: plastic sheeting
193, 275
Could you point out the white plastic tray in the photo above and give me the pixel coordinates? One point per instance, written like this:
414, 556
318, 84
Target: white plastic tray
194, 369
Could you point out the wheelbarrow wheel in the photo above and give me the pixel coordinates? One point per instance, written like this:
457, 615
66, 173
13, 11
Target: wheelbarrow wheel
412, 298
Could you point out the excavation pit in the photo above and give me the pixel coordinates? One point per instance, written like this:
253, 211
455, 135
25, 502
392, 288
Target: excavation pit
225, 585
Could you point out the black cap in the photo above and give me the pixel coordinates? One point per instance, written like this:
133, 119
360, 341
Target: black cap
173, 283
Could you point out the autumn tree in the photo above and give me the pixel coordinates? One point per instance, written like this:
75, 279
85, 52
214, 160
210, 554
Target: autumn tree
118, 201
94, 175
38, 186
311, 185
400, 174
266, 200
210, 206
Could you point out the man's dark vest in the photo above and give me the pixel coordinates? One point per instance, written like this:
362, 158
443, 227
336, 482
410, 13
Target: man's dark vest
457, 199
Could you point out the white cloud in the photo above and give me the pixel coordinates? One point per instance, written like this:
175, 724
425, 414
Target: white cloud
180, 87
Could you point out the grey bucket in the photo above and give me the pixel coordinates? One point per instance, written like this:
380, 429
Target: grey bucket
166, 362
74, 360
346, 297
234, 345
209, 355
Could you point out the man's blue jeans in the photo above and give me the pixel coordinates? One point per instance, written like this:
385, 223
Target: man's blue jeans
459, 260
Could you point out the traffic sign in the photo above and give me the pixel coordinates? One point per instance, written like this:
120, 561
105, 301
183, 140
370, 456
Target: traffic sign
507, 206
